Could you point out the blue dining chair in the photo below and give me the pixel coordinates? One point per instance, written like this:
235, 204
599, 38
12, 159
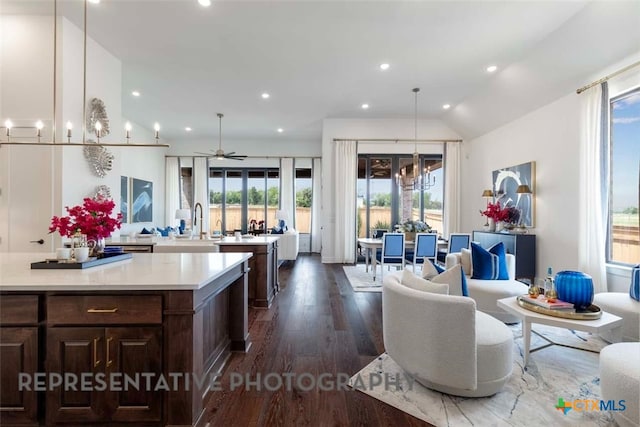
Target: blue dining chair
392, 251
457, 241
425, 248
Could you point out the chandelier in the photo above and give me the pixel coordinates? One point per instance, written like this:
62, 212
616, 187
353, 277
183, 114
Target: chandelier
420, 179
94, 122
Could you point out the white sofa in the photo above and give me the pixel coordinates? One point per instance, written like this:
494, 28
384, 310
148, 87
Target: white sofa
443, 342
486, 292
288, 245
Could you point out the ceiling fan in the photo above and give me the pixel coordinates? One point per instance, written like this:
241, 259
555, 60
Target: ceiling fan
220, 154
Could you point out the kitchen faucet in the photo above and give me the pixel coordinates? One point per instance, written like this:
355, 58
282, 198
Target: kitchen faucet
195, 219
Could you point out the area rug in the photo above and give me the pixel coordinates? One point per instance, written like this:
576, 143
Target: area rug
361, 280
528, 399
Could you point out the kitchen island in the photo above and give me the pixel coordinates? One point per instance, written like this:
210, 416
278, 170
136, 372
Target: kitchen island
155, 315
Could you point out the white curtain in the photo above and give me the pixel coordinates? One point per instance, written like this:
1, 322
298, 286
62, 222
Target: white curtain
316, 207
592, 198
346, 174
452, 188
172, 190
201, 192
287, 185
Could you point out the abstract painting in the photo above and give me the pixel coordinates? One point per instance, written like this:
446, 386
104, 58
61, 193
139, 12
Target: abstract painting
124, 198
142, 200
505, 184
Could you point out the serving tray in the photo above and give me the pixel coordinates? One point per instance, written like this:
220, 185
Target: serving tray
54, 264
593, 312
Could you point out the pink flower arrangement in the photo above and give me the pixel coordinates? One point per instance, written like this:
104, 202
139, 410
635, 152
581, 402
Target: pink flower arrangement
92, 218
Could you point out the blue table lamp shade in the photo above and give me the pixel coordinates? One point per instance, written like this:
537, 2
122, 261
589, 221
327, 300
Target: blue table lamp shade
575, 287
183, 215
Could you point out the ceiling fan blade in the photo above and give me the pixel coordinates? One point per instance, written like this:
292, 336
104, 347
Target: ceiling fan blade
234, 158
239, 156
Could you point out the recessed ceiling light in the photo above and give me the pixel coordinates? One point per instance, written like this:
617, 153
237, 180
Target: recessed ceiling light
446, 106
265, 95
205, 3
280, 130
94, 1
384, 66
135, 93
188, 129
492, 68
365, 106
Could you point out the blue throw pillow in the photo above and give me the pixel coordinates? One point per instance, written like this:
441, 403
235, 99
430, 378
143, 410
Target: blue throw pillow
634, 290
489, 264
277, 230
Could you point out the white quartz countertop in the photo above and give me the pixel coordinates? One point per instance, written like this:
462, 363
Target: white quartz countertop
164, 271
255, 240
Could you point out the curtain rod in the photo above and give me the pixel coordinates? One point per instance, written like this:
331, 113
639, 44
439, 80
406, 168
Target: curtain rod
396, 140
605, 78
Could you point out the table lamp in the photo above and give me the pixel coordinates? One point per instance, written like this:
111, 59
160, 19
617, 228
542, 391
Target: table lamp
182, 215
487, 194
283, 216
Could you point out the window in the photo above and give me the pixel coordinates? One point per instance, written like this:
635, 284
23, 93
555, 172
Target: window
624, 221
304, 192
239, 196
382, 199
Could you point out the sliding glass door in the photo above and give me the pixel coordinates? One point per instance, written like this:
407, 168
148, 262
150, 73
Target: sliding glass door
390, 192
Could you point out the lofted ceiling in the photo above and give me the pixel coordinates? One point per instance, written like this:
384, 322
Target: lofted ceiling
320, 59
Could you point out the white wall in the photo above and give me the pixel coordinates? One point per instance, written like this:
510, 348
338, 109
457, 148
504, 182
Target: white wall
372, 129
27, 95
271, 148
550, 137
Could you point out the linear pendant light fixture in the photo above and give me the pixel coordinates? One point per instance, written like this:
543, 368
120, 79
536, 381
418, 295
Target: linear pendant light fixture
98, 127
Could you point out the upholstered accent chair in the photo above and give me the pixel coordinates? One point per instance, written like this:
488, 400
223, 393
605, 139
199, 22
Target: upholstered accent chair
620, 380
444, 342
392, 253
486, 293
625, 305
425, 248
457, 241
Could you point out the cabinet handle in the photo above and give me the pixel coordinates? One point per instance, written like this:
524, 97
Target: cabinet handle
96, 362
109, 361
102, 310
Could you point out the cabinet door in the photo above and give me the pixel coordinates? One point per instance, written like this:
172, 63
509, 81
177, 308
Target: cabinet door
75, 352
18, 353
134, 352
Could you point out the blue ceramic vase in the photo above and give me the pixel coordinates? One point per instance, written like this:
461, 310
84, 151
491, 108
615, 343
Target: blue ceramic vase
575, 287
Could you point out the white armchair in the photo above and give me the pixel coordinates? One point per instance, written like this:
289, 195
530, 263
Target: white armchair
486, 293
288, 245
443, 342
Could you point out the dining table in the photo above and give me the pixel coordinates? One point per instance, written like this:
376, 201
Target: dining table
370, 245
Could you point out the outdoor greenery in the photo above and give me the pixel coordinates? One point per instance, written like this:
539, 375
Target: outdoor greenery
382, 225
256, 197
630, 210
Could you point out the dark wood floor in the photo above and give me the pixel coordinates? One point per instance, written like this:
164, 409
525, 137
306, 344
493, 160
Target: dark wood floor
316, 325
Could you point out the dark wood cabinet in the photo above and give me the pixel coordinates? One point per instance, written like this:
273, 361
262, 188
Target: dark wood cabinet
97, 354
19, 317
19, 354
522, 246
263, 268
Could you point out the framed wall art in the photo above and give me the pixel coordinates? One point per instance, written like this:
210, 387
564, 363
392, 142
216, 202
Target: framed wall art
142, 200
124, 198
505, 189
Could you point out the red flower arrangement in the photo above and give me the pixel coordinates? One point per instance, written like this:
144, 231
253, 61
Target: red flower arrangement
508, 214
92, 218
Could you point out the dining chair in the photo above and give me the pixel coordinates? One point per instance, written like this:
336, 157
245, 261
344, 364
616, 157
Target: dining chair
457, 241
425, 248
392, 251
